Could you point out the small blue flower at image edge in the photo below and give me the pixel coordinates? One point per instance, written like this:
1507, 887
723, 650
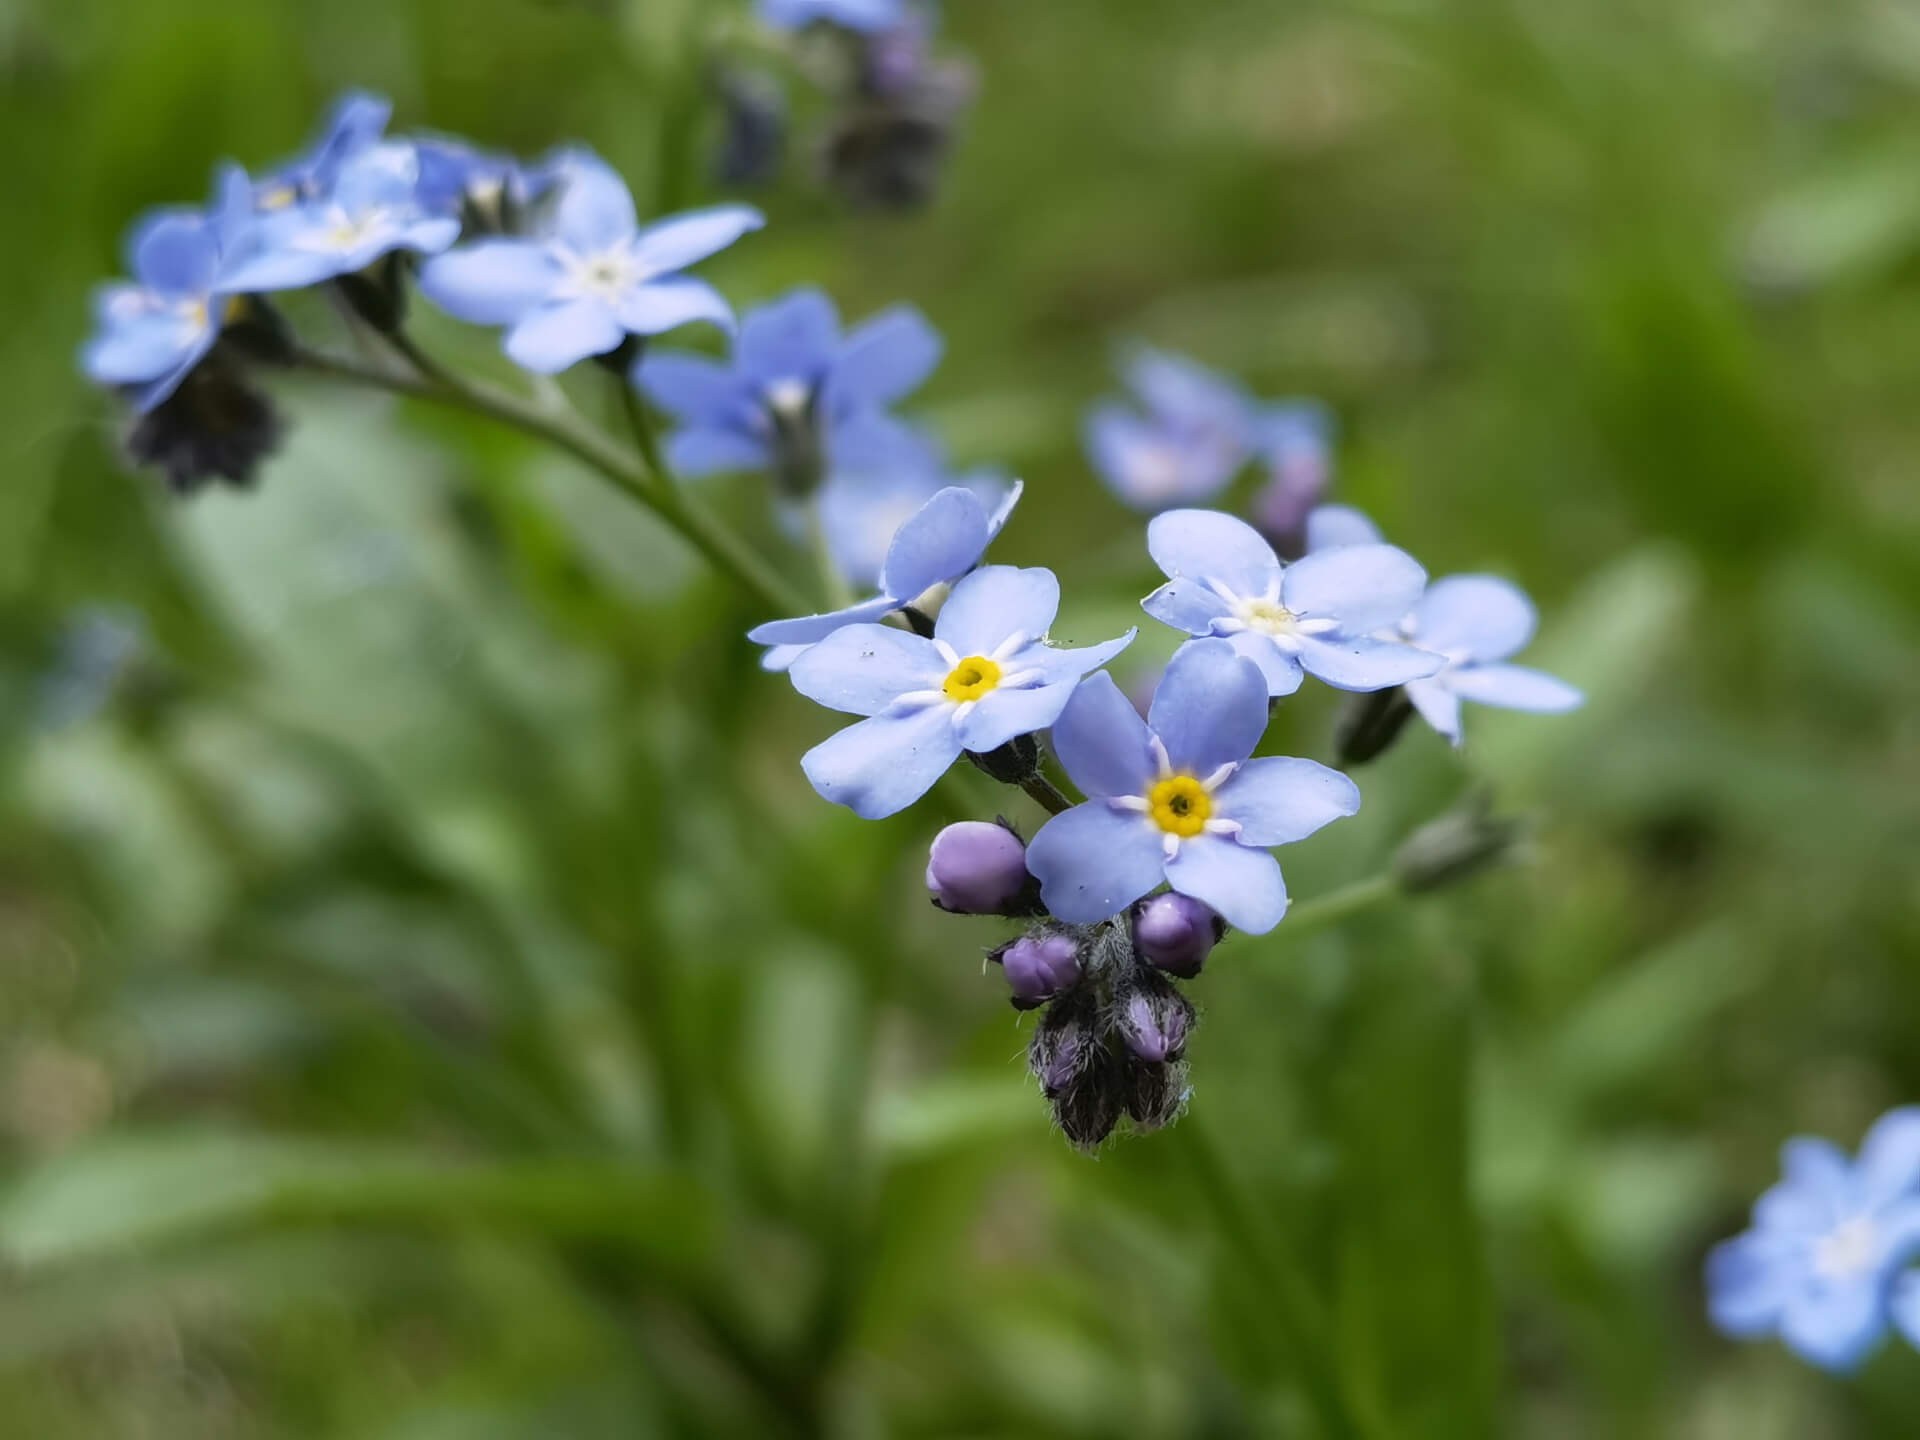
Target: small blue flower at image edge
593, 279
986, 677
1821, 1266
865, 16
1175, 798
1475, 623
1193, 433
1319, 616
944, 540
795, 383
149, 334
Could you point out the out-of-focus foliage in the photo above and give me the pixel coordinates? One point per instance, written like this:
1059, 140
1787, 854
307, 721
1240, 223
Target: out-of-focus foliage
434, 1005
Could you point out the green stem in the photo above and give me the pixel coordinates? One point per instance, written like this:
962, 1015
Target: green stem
1047, 794
587, 445
1325, 911
1286, 1302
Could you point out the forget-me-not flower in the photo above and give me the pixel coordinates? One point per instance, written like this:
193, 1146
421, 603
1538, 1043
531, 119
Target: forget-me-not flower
1476, 622
944, 540
1317, 616
1820, 1260
593, 279
1194, 435
370, 208
151, 333
355, 123
798, 397
865, 16
1176, 798
986, 677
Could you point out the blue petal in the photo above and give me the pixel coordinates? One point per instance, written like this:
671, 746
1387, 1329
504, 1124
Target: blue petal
1364, 587
862, 669
1332, 525
1513, 687
142, 348
1747, 1286
666, 305
1889, 1163
1094, 861
157, 390
174, 252
811, 629
1210, 708
683, 240
1472, 617
1187, 605
549, 339
869, 440
1240, 882
691, 388
273, 265
1207, 545
866, 16
1904, 1306
880, 766
994, 603
1000, 716
883, 359
1437, 705
1183, 393
1060, 663
357, 120
1003, 511
943, 541
861, 511
1102, 741
1150, 467
703, 451
380, 177
1281, 668
791, 339
1280, 799
780, 658
596, 208
429, 236
1835, 1326
1348, 663
1818, 1173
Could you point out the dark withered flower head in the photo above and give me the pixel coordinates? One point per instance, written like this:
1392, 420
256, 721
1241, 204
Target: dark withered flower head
889, 147
216, 425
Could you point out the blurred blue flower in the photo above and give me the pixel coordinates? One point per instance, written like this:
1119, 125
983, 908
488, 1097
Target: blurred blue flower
371, 208
798, 397
1294, 443
1476, 622
943, 540
1330, 526
1819, 1263
594, 279
1176, 798
463, 181
986, 677
149, 334
861, 15
1319, 615
1196, 432
355, 123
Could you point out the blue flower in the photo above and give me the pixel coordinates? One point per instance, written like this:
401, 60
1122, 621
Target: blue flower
1175, 798
370, 208
1294, 442
861, 508
150, 334
1195, 434
1817, 1266
1476, 622
456, 178
862, 15
1319, 615
1331, 526
798, 397
594, 279
984, 678
355, 123
944, 539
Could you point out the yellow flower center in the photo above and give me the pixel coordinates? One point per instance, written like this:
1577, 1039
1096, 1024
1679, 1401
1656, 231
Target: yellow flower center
1268, 617
1180, 805
972, 678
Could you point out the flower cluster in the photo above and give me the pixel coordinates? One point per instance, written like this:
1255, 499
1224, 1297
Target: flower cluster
552, 252
1829, 1263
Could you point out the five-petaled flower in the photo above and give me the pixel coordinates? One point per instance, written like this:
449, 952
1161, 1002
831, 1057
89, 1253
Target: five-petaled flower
943, 540
369, 207
593, 279
1826, 1244
1319, 616
153, 332
798, 396
986, 677
1196, 432
1177, 798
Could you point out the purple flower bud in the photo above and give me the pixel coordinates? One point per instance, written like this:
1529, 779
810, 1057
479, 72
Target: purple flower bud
976, 868
1175, 932
1039, 967
1155, 1021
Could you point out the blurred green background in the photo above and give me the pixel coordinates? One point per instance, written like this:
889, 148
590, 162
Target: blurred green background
432, 1005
